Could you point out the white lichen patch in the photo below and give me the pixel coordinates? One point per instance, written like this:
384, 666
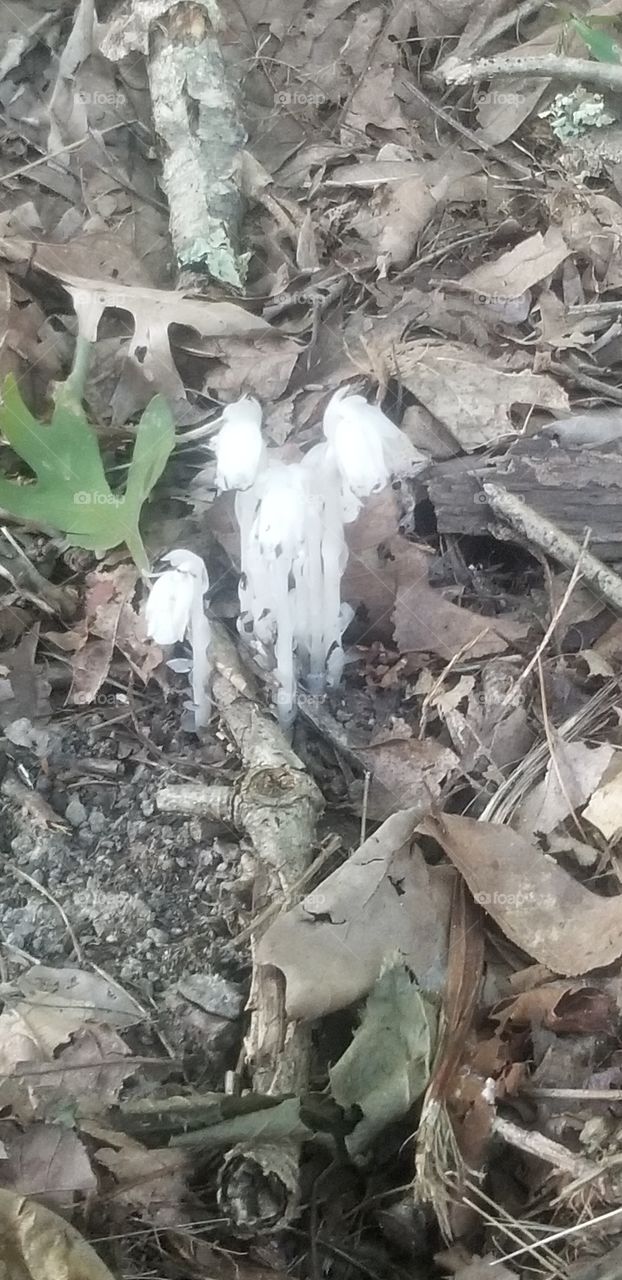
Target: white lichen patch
573, 114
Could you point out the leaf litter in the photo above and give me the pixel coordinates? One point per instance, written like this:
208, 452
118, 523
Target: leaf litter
343, 1000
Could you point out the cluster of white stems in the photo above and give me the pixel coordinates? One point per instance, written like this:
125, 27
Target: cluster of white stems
293, 549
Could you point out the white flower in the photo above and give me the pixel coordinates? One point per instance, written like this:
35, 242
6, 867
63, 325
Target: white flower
367, 446
170, 605
239, 445
351, 428
175, 611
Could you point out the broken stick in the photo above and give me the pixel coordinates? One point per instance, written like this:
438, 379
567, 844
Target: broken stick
550, 539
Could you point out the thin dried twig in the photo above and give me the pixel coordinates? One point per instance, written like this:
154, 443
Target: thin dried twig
574, 578
561, 1235
561, 781
520, 170
45, 893
603, 75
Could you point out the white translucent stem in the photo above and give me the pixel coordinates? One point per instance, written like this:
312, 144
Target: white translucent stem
201, 666
333, 563
244, 510
284, 646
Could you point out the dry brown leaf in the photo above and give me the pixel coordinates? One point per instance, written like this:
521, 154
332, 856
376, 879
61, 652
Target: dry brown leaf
109, 621
533, 900
95, 256
24, 690
594, 231
388, 587
47, 1161
426, 622
593, 428
491, 733
483, 1269
561, 1007
436, 18
512, 99
258, 364
54, 1007
604, 810
405, 772
149, 364
60, 1000
90, 1073
515, 272
572, 774
37, 1244
398, 214
468, 393
383, 901
149, 1181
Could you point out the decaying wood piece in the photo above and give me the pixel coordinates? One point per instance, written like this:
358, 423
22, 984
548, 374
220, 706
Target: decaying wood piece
201, 137
575, 489
543, 534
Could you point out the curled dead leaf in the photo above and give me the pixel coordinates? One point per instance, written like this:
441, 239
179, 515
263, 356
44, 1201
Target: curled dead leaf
37, 1244
533, 900
383, 900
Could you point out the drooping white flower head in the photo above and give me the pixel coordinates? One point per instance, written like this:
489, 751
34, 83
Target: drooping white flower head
351, 428
239, 445
368, 447
175, 611
170, 605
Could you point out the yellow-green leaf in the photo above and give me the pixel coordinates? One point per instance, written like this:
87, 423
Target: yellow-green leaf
71, 492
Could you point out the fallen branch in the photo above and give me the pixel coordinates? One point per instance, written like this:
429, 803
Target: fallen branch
603, 75
277, 804
201, 139
545, 535
537, 1144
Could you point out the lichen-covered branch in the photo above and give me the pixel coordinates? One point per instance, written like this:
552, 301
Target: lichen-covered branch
201, 139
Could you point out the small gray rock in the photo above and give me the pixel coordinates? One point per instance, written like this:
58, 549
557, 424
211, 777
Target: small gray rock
75, 812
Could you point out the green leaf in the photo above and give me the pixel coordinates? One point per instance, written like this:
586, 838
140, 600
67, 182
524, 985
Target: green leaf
257, 1121
71, 492
387, 1066
601, 46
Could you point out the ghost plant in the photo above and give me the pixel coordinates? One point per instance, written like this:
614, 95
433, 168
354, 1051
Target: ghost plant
291, 517
174, 612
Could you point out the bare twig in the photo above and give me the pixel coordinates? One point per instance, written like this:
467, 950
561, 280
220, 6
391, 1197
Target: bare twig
366, 784
603, 75
574, 578
561, 1235
520, 170
537, 1144
45, 893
